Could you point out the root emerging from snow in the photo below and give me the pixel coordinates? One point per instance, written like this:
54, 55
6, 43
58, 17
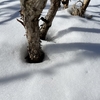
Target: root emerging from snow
77, 10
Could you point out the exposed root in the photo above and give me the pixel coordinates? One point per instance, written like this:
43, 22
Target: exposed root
76, 10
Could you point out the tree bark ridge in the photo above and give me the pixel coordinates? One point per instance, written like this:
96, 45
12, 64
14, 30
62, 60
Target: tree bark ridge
30, 12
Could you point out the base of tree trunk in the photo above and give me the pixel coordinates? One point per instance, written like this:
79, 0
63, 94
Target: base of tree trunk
37, 59
80, 11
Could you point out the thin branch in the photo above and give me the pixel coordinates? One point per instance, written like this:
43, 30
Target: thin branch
21, 22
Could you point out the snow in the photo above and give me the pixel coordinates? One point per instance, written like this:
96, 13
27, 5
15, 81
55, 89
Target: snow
71, 68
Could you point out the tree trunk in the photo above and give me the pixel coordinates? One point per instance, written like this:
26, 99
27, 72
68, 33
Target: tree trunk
85, 5
55, 4
30, 13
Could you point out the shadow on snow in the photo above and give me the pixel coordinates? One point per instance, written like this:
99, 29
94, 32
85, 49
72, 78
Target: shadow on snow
7, 12
90, 50
76, 29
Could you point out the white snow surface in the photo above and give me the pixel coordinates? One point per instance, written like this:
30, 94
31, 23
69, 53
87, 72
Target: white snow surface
71, 68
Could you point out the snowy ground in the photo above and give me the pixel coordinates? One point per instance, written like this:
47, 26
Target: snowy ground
71, 68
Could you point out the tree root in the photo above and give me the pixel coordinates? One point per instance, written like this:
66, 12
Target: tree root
77, 10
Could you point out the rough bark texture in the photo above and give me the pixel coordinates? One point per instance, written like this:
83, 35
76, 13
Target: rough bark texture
30, 13
55, 4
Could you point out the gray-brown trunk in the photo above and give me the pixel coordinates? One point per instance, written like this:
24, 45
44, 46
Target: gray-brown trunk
55, 4
30, 12
85, 4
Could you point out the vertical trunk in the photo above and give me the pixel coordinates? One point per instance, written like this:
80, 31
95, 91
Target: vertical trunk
85, 4
65, 3
55, 4
30, 12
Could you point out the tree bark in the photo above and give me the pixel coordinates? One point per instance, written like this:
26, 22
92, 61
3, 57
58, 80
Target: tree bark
55, 4
85, 5
30, 13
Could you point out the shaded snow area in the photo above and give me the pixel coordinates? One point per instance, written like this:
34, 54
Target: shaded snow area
71, 68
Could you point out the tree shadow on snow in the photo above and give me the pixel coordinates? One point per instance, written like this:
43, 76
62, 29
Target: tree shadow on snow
76, 29
95, 16
89, 51
65, 47
63, 16
23, 52
9, 13
16, 77
94, 5
6, 2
